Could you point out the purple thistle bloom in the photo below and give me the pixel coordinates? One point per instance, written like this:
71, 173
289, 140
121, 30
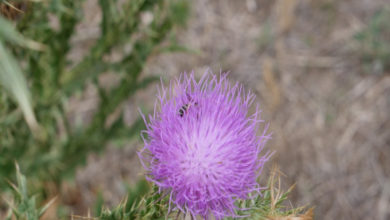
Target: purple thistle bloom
202, 147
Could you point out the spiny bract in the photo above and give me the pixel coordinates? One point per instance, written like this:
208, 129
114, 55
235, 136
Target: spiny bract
202, 147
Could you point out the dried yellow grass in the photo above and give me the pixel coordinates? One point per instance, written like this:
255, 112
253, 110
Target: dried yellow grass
271, 83
277, 194
306, 216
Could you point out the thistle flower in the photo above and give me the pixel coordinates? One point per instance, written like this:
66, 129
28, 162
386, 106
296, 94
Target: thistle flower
202, 147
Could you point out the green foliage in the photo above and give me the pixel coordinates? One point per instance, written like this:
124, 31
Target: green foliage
265, 206
138, 205
25, 205
11, 76
268, 204
40, 77
374, 43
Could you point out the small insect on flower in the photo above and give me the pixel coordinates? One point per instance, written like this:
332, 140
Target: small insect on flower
184, 109
187, 106
202, 146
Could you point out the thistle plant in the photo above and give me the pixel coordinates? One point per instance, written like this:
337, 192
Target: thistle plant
202, 149
144, 202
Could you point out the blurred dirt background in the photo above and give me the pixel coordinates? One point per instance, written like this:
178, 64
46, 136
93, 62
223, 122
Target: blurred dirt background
329, 116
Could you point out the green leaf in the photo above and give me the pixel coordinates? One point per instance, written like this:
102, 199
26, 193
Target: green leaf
13, 80
9, 33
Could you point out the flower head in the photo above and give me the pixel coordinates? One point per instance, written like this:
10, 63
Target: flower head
202, 146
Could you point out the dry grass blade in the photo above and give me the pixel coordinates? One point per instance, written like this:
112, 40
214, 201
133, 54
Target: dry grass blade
276, 192
44, 208
13, 7
271, 83
306, 216
285, 14
277, 195
75, 217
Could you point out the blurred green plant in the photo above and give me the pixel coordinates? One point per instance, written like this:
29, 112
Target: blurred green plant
25, 205
38, 78
11, 77
374, 43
